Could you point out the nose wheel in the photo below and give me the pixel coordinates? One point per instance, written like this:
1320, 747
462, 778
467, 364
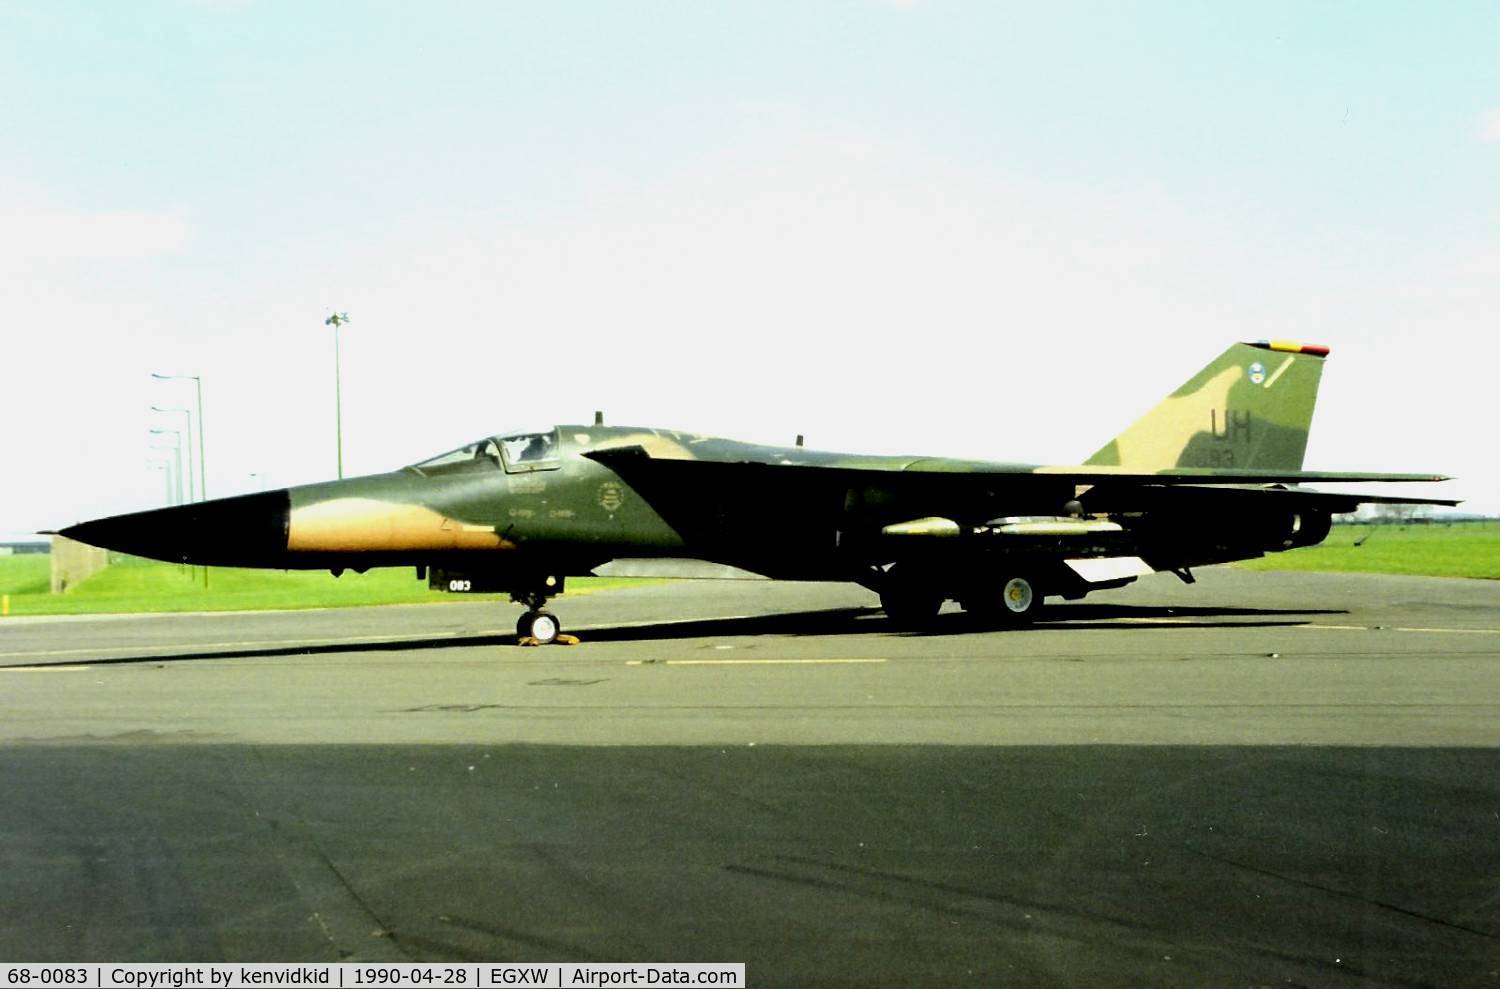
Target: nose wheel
540, 626
537, 626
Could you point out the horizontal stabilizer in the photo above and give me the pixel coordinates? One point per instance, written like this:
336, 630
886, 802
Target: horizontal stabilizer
1226, 475
1391, 499
1134, 497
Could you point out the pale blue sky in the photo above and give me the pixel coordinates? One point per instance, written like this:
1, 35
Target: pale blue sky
992, 230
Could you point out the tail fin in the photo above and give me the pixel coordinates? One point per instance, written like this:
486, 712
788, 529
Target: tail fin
1251, 408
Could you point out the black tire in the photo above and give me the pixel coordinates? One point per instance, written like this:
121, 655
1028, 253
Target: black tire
909, 605
1020, 600
1013, 600
523, 625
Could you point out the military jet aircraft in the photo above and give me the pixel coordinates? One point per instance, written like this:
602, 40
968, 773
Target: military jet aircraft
1211, 474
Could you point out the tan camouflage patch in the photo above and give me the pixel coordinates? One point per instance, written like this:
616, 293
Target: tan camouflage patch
659, 444
353, 524
1158, 440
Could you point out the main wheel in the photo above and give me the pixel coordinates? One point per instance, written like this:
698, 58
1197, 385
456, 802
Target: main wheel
1017, 602
910, 604
1019, 599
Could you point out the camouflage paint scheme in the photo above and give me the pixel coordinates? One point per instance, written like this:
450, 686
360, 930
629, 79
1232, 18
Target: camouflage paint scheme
1201, 478
1255, 402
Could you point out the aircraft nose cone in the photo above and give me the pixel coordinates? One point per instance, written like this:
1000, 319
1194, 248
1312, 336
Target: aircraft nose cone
248, 530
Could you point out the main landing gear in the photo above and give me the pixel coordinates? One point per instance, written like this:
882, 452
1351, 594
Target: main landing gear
912, 597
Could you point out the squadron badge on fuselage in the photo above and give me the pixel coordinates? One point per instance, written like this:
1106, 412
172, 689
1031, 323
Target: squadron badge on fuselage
611, 496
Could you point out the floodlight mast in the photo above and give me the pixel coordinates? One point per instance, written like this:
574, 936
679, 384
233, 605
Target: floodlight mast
197, 380
165, 467
336, 320
176, 452
202, 466
188, 418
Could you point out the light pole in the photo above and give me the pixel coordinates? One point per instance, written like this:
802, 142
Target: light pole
202, 473
166, 475
336, 320
188, 418
177, 458
177, 452
197, 380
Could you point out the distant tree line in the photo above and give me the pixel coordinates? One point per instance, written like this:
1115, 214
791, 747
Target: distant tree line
1408, 515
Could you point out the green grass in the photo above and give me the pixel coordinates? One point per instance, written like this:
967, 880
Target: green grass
133, 585
1458, 549
30, 573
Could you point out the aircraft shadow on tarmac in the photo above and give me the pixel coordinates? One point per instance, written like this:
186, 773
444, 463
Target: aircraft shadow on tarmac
833, 621
1065, 617
1086, 618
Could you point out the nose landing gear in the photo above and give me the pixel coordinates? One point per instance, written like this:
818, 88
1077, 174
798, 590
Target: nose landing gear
537, 626
540, 627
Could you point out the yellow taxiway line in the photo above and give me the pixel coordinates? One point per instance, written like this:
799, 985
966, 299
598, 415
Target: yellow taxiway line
1403, 628
746, 662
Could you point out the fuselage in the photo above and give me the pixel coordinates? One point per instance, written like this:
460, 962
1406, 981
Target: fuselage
494, 505
566, 500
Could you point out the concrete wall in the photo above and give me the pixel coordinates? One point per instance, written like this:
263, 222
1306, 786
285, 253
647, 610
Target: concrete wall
74, 561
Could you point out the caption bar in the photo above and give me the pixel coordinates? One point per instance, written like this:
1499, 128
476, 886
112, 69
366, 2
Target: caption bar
466, 975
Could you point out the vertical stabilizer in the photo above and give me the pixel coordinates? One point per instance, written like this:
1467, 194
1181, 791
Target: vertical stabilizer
1252, 407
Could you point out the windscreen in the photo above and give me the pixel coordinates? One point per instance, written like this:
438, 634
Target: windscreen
484, 451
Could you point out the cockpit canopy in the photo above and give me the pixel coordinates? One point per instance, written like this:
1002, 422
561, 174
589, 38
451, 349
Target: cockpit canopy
516, 452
